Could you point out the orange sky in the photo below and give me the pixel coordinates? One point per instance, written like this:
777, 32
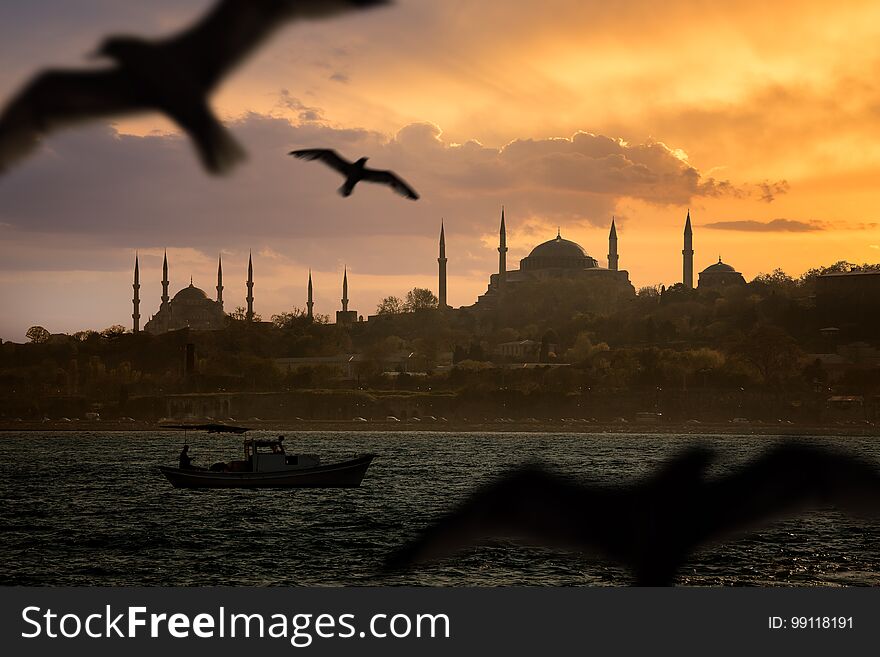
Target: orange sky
779, 97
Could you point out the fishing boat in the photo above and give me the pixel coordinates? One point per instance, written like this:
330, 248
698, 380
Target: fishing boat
266, 464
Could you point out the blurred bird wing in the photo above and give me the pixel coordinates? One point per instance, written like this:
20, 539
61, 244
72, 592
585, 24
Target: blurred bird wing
317, 9
329, 157
234, 28
528, 504
390, 178
55, 99
787, 480
229, 32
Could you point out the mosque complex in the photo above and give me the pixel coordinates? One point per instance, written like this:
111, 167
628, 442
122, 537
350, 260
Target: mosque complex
554, 259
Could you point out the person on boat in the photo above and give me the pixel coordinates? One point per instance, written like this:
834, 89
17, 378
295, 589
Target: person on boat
185, 459
279, 448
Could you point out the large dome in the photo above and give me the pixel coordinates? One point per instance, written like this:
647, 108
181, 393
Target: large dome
191, 293
558, 248
558, 253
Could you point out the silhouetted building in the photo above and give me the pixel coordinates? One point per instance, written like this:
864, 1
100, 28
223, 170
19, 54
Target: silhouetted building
849, 298
136, 301
519, 351
502, 254
688, 254
345, 316
189, 366
555, 259
719, 275
190, 308
441, 273
220, 280
612, 247
310, 303
249, 315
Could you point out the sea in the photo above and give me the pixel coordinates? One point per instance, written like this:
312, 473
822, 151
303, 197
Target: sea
92, 509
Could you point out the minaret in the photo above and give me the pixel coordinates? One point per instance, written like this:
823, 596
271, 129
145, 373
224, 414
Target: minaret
136, 315
345, 290
688, 253
502, 252
250, 290
165, 280
310, 304
441, 261
612, 247
220, 281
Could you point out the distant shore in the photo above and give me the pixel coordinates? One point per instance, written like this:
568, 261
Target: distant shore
758, 429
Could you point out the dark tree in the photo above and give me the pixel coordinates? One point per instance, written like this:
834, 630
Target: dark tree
296, 317
37, 334
772, 351
420, 298
390, 306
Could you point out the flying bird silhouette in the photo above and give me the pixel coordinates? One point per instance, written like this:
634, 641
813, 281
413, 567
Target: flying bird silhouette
173, 75
354, 172
654, 525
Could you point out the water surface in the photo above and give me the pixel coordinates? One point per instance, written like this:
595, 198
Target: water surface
81, 509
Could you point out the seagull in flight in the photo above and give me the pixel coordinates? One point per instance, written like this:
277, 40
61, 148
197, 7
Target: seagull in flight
173, 75
354, 172
653, 526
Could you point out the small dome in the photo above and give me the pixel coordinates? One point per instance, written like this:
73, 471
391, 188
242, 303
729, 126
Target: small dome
191, 293
718, 268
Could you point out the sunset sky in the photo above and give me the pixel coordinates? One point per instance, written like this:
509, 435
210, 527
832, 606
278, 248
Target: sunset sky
762, 118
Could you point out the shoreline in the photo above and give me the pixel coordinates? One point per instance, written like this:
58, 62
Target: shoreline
471, 427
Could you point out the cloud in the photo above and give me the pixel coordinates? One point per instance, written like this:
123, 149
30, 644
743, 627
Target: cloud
772, 226
299, 109
769, 191
556, 172
149, 190
603, 165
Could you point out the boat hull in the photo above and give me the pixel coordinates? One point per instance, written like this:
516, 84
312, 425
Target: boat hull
345, 474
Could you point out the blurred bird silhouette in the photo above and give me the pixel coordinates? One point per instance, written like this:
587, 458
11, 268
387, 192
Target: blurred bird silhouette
354, 172
652, 526
173, 75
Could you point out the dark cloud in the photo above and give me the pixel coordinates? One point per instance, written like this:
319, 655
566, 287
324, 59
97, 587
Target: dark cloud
125, 190
339, 77
772, 226
557, 170
770, 190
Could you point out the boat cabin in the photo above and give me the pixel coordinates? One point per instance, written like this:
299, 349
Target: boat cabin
269, 456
